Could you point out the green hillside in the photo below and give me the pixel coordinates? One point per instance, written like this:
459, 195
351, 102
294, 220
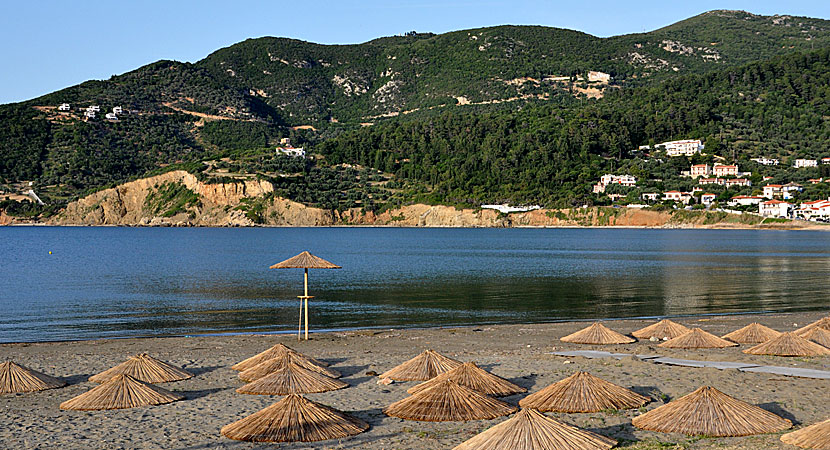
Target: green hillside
485, 96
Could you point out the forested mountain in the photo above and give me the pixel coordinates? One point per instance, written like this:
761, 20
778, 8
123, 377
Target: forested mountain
490, 123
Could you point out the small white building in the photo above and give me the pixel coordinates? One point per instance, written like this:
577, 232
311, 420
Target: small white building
111, 116
789, 190
773, 190
94, 108
64, 107
775, 208
89, 114
291, 151
700, 170
745, 200
650, 196
737, 182
766, 161
708, 198
601, 77
799, 163
718, 181
117, 110
688, 147
724, 170
677, 196
605, 180
825, 160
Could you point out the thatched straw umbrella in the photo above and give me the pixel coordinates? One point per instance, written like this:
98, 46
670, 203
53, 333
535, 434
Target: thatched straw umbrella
709, 412
144, 367
788, 344
292, 379
274, 364
448, 401
824, 322
532, 430
697, 338
475, 378
15, 378
305, 260
819, 336
428, 364
273, 352
664, 329
295, 419
121, 392
754, 333
583, 392
597, 334
815, 436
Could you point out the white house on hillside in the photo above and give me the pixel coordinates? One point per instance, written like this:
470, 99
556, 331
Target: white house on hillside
799, 163
775, 208
687, 147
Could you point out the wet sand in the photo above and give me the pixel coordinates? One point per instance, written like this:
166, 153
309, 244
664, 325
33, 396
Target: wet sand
519, 353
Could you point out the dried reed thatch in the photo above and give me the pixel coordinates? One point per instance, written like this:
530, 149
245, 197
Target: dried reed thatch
788, 344
597, 334
305, 260
428, 364
273, 352
819, 336
294, 419
448, 401
754, 333
583, 392
664, 329
475, 378
815, 436
121, 392
292, 379
697, 338
15, 378
824, 322
532, 430
274, 364
144, 367
709, 412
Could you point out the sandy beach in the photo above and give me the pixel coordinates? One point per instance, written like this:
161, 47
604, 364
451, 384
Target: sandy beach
520, 353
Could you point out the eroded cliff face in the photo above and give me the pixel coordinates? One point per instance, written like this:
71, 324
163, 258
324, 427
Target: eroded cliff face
223, 204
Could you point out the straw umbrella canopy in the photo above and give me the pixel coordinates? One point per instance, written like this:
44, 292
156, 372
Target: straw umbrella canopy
824, 322
597, 334
305, 261
295, 419
474, 377
428, 364
144, 367
819, 336
448, 401
532, 430
121, 392
754, 333
273, 352
583, 392
697, 338
788, 344
292, 379
15, 378
664, 329
709, 412
274, 364
815, 436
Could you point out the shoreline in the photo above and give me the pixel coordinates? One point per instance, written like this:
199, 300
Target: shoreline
425, 327
519, 352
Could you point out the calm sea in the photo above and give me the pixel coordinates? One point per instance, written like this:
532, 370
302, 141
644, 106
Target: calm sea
107, 282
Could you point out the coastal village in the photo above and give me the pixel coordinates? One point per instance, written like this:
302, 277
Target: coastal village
722, 186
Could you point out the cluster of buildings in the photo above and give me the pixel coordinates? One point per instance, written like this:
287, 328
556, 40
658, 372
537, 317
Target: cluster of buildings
605, 180
91, 111
287, 149
719, 174
818, 210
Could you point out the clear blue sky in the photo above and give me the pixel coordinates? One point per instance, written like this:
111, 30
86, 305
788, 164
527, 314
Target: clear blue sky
52, 44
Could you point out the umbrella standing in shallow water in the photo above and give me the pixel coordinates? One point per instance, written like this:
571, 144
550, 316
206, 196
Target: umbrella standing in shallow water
304, 260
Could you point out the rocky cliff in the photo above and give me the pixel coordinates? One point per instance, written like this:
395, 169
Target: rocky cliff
144, 203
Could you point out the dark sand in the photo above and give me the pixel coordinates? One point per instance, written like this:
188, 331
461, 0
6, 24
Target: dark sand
516, 352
